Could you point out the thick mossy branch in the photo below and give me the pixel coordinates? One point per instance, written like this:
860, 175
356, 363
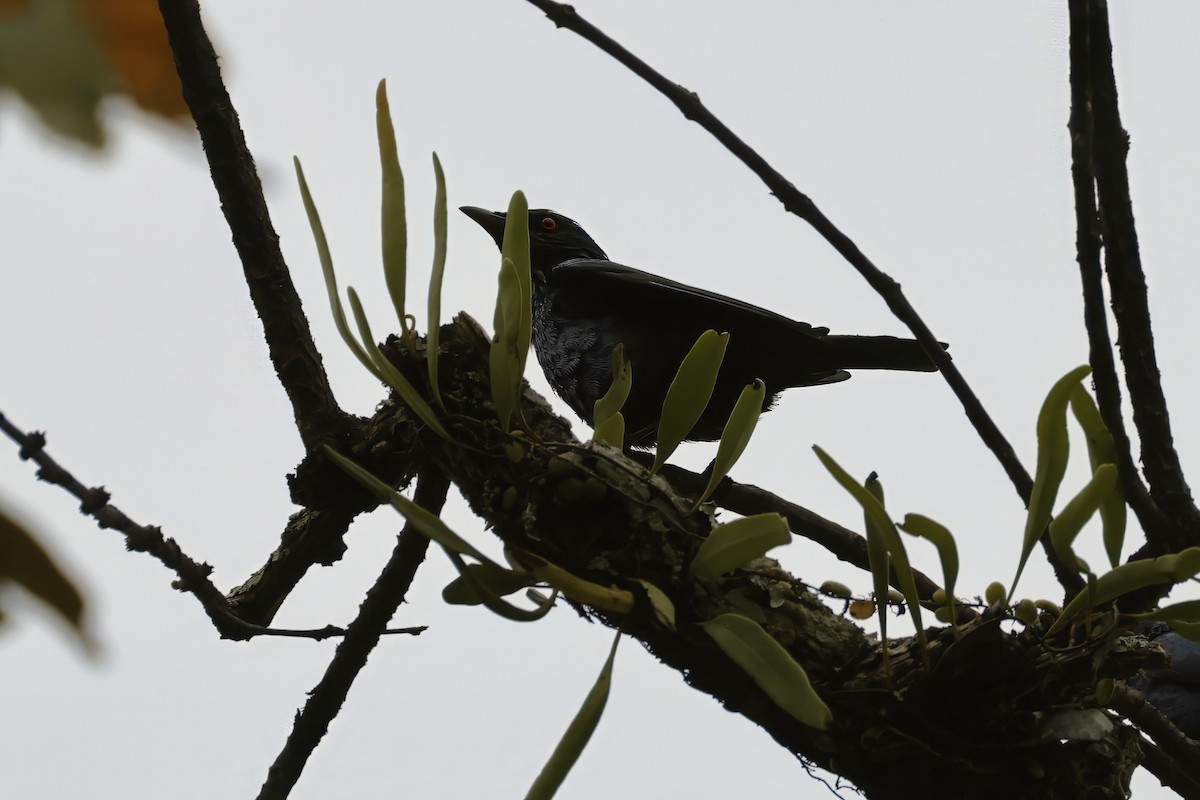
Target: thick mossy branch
973, 720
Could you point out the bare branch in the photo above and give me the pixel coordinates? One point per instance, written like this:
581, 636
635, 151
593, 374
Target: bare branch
1109, 145
378, 608
289, 340
1088, 243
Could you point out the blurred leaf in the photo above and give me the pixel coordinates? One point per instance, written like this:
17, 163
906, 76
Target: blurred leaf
63, 56
1053, 451
134, 42
440, 239
1075, 514
880, 563
735, 543
736, 435
770, 666
24, 562
393, 222
331, 288
1129, 577
579, 732
689, 393
1102, 450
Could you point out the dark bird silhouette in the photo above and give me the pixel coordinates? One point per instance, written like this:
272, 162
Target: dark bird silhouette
1175, 689
584, 305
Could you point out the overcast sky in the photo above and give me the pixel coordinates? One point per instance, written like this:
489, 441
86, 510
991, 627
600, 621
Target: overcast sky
933, 133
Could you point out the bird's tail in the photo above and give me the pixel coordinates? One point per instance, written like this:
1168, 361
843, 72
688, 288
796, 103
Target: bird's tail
879, 352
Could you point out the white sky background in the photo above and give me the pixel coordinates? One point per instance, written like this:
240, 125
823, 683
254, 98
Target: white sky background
934, 134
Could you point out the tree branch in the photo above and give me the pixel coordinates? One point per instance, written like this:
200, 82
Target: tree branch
1127, 281
1088, 243
796, 202
378, 608
293, 353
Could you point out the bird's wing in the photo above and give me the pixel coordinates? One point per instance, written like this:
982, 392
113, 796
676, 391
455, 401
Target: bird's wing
597, 277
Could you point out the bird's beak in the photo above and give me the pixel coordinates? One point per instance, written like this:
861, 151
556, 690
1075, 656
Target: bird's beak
490, 221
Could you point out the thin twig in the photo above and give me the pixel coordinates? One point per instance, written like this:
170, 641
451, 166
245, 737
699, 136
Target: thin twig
1127, 281
295, 356
379, 606
193, 577
796, 202
1088, 243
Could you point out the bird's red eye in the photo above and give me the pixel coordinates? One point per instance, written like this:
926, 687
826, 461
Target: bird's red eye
548, 224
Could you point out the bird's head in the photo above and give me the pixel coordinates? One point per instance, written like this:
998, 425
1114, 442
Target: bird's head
553, 238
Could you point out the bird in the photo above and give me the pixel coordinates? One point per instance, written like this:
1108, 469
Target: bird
1175, 689
584, 305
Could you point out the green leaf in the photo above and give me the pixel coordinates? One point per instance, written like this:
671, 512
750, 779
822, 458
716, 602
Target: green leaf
431, 526
387, 372
1075, 514
326, 259
515, 248
579, 732
880, 563
664, 609
504, 360
25, 563
733, 544
736, 435
770, 666
496, 579
440, 239
394, 226
618, 391
611, 430
1102, 450
943, 540
689, 393
886, 530
1053, 451
1130, 577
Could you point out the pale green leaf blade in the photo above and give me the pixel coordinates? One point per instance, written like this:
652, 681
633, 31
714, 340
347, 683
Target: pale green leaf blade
1053, 452
579, 732
618, 392
496, 579
394, 226
611, 430
1129, 577
770, 666
326, 259
492, 601
664, 609
737, 433
1075, 514
503, 360
387, 372
943, 540
515, 247
689, 393
736, 543
877, 558
1102, 450
886, 529
440, 240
